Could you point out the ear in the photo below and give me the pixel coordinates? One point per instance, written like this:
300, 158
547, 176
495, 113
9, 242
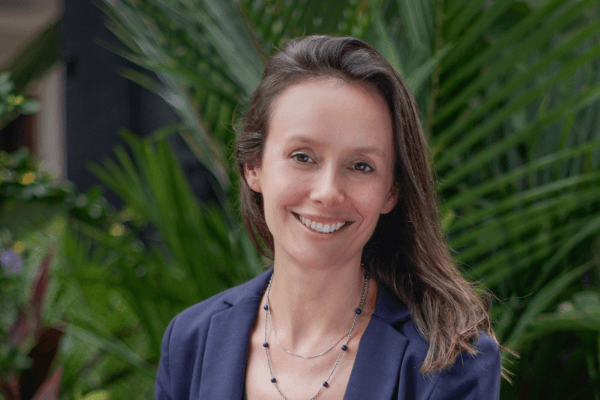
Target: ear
252, 175
391, 201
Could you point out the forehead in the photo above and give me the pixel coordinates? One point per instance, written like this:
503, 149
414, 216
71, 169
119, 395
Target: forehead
329, 109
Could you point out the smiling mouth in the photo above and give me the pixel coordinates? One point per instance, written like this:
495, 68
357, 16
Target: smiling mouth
320, 227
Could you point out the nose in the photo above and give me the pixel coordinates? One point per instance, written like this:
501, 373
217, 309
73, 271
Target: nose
328, 187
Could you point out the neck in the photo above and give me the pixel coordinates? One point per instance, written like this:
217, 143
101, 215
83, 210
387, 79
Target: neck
312, 305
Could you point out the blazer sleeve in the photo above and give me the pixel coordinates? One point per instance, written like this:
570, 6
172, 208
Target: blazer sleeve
472, 377
163, 389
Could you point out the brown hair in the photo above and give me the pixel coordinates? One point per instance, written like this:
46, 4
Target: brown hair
407, 252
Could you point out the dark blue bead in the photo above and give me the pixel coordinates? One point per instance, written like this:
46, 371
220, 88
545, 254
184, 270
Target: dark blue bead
366, 276
344, 347
358, 311
266, 307
265, 344
273, 380
325, 384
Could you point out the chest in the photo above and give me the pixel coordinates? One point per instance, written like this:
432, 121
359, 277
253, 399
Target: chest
297, 378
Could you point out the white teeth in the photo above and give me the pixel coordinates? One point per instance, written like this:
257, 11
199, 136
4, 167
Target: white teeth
316, 226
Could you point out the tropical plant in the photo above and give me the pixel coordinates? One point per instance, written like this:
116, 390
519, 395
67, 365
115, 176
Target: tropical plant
28, 348
32, 333
508, 92
33, 212
11, 103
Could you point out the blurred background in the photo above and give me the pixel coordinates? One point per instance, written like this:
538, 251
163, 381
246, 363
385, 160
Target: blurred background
119, 199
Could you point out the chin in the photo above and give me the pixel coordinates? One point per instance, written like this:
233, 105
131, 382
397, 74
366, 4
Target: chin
322, 259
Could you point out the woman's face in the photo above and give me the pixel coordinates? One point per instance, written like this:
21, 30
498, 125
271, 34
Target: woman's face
326, 171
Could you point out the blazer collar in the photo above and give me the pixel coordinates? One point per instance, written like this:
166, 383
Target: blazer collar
253, 289
389, 309
376, 368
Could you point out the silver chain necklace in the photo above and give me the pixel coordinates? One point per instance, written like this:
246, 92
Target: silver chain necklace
300, 355
343, 348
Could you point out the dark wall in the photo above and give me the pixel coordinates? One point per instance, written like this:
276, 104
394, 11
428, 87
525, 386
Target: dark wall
99, 102
18, 133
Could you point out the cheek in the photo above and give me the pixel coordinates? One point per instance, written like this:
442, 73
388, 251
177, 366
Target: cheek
289, 182
282, 190
370, 198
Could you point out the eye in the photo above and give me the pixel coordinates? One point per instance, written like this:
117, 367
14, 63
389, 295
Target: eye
301, 158
362, 167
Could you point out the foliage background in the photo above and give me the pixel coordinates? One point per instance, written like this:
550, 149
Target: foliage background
508, 94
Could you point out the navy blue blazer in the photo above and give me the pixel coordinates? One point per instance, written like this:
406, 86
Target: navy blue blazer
205, 347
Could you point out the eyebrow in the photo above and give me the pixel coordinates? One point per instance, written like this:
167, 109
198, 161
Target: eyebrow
363, 149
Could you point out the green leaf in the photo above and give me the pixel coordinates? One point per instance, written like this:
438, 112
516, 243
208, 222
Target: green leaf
419, 76
483, 23
419, 23
96, 395
509, 202
591, 228
115, 348
517, 36
234, 43
384, 42
515, 174
542, 300
29, 107
516, 83
566, 108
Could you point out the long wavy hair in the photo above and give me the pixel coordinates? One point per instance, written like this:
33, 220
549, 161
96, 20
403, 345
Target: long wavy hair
407, 252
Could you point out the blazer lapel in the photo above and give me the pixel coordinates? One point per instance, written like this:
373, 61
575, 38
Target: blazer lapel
377, 366
224, 364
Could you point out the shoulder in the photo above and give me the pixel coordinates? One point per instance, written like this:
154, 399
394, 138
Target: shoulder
198, 315
186, 333
184, 344
473, 376
192, 321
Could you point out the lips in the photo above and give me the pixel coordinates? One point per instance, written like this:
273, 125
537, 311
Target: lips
322, 226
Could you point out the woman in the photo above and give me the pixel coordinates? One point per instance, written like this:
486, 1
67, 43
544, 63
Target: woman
362, 301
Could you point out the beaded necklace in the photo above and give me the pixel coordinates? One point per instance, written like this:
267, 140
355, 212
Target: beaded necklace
343, 348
